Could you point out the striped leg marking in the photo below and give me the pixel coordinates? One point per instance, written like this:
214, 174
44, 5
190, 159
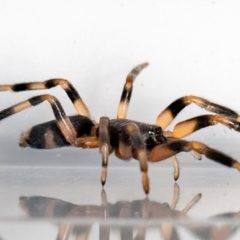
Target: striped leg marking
63, 121
166, 150
104, 144
72, 93
127, 91
189, 126
167, 115
137, 141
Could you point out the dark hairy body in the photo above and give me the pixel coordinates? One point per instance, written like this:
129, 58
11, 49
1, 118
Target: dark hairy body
38, 136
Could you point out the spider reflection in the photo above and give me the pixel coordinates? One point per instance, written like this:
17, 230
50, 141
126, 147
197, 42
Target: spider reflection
125, 210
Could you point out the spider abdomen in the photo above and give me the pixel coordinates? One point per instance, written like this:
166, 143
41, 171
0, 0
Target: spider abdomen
48, 135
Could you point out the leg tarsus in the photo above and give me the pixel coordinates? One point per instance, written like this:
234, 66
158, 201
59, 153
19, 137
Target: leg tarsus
104, 144
176, 170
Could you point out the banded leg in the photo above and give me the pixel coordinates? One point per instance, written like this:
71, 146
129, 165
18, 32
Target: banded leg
72, 93
166, 150
63, 122
127, 90
189, 126
104, 144
167, 115
137, 141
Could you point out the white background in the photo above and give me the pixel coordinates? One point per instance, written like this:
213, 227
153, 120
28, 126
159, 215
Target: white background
193, 47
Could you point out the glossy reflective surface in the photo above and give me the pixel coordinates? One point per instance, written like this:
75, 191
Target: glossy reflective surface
58, 193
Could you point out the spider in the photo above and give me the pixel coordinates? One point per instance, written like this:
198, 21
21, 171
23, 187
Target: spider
127, 138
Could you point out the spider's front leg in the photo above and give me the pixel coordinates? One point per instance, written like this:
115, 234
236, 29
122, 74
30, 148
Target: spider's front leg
104, 146
138, 143
169, 149
170, 112
127, 90
191, 125
99, 138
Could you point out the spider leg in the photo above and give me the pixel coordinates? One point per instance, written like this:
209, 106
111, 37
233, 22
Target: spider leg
72, 93
166, 150
104, 144
63, 122
127, 90
137, 141
87, 142
167, 115
189, 126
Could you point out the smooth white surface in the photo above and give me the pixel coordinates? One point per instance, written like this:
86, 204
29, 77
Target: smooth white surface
73, 175
192, 47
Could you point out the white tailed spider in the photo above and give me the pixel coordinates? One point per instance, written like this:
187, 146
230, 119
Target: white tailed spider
127, 138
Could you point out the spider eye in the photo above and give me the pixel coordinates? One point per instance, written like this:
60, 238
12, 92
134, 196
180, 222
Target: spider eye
150, 132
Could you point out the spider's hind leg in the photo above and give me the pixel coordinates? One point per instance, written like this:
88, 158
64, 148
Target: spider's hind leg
72, 93
63, 122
